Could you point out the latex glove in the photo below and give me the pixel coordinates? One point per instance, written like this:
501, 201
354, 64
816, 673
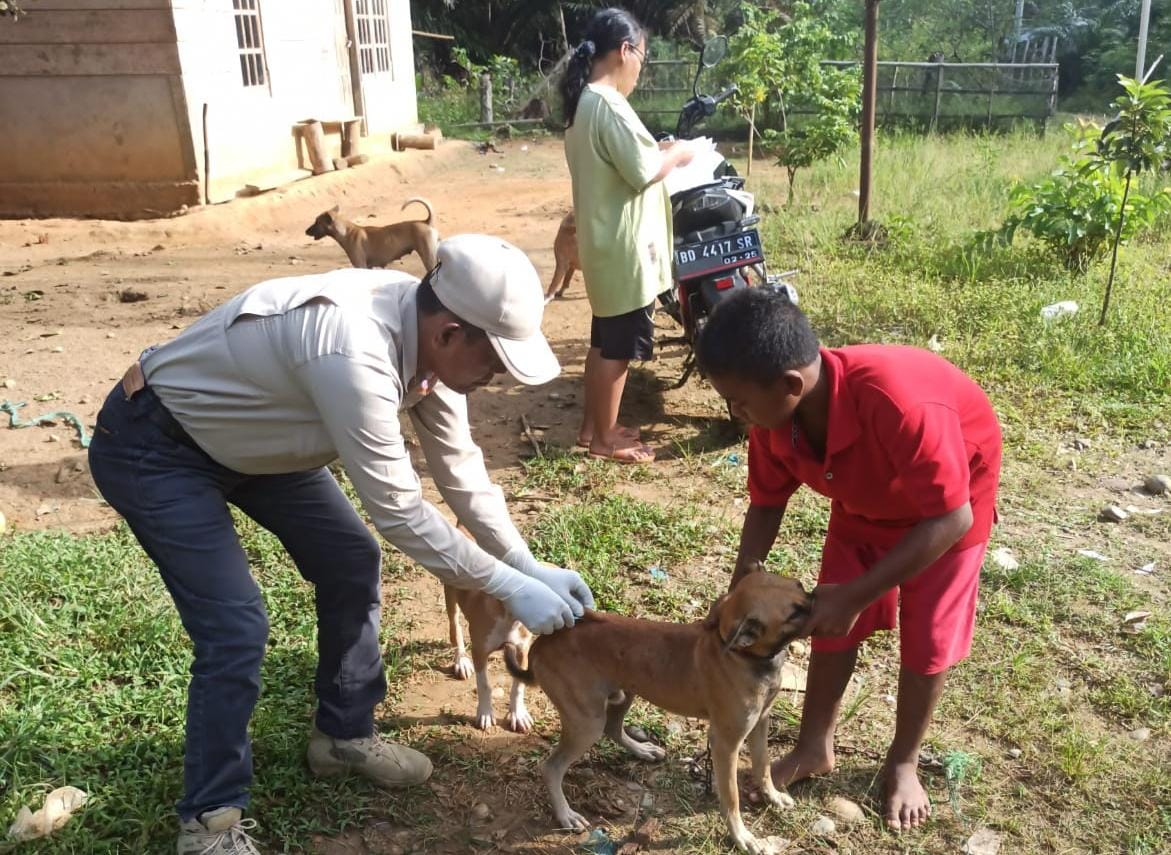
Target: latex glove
529, 601
567, 583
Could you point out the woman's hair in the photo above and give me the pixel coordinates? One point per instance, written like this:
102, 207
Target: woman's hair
607, 31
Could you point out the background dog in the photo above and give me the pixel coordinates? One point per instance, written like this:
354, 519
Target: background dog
726, 669
565, 257
379, 246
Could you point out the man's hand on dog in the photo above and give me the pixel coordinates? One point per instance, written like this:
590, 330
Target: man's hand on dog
835, 609
567, 584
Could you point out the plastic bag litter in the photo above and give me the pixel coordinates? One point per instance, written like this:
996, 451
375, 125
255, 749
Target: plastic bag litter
59, 806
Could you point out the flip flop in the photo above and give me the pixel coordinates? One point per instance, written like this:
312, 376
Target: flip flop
627, 454
633, 434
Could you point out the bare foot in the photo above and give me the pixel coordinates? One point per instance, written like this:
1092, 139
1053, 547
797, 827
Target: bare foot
800, 764
907, 805
636, 453
626, 434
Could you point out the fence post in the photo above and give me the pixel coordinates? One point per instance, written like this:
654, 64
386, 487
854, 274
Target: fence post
894, 84
486, 98
992, 94
938, 96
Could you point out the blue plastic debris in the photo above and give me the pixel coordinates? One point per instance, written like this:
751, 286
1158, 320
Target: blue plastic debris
600, 843
658, 574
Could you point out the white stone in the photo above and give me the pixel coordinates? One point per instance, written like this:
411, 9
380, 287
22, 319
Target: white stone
823, 826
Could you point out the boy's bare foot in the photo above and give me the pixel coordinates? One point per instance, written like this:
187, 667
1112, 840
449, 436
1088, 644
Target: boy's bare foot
800, 764
907, 805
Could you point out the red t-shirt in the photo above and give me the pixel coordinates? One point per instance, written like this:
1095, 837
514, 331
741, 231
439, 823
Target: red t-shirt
910, 437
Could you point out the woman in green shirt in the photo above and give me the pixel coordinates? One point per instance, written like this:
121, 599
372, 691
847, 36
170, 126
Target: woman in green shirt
623, 220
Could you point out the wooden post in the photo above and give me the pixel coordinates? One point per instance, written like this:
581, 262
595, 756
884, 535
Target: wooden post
938, 96
992, 95
356, 92
869, 94
894, 84
486, 98
314, 137
751, 134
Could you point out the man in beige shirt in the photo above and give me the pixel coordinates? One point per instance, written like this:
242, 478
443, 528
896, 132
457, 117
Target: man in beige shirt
246, 407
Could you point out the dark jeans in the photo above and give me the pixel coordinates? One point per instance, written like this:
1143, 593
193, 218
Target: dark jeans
175, 499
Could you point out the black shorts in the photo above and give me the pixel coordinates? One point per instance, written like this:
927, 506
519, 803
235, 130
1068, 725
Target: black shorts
629, 336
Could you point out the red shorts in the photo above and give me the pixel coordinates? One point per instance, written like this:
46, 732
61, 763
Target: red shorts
935, 611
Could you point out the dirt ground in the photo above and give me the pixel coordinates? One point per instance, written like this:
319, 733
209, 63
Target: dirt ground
80, 299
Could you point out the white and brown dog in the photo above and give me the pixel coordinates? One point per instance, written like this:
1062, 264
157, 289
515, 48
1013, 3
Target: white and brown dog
726, 669
491, 627
379, 246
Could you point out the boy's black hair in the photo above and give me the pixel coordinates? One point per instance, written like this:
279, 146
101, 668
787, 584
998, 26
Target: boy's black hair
756, 334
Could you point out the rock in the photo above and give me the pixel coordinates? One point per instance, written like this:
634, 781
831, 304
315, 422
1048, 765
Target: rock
984, 842
1112, 513
793, 677
1004, 559
648, 801
58, 349
481, 812
9, 383
1157, 485
1014, 753
110, 335
1133, 623
674, 727
934, 344
1156, 690
497, 693
889, 700
1081, 443
1141, 734
798, 648
823, 826
3, 523
43, 510
846, 811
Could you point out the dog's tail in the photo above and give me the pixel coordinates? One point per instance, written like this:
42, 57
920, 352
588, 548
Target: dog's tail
512, 663
422, 202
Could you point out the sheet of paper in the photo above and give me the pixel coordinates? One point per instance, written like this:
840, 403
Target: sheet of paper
699, 171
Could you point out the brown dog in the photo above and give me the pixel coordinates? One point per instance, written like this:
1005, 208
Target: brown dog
379, 246
726, 669
565, 258
491, 628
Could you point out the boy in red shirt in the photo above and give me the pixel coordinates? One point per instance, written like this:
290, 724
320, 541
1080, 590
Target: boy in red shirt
908, 448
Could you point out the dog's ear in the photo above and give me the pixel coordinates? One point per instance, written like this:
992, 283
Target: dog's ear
746, 634
335, 209
712, 621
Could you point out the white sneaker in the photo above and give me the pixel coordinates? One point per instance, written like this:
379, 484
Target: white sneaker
217, 832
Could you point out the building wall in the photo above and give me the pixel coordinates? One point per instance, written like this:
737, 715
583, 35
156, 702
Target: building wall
251, 137
103, 102
92, 115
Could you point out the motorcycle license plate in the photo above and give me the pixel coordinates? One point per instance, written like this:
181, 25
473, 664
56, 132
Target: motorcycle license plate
717, 254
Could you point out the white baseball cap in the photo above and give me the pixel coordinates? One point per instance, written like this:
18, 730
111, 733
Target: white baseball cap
490, 284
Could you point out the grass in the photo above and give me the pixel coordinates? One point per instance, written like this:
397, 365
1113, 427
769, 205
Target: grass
1032, 735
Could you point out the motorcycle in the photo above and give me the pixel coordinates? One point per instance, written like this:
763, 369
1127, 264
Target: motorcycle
717, 248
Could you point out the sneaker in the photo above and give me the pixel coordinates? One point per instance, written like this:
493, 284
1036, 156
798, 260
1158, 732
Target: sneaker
217, 832
384, 763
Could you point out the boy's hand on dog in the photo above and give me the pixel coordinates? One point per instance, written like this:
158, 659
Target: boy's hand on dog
566, 583
835, 609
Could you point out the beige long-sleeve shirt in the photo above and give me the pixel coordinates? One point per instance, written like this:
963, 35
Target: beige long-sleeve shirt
297, 372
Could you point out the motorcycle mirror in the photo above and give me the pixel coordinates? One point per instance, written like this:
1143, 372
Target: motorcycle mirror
714, 50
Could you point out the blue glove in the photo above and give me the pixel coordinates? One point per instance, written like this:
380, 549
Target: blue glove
529, 601
566, 583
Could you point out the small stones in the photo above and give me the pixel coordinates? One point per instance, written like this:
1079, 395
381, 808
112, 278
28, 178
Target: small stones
984, 842
497, 693
1113, 513
481, 812
1157, 485
1141, 734
8, 383
1015, 753
823, 826
1081, 444
647, 802
846, 811
1003, 558
1133, 623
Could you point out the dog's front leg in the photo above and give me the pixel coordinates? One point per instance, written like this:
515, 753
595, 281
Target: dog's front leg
519, 719
725, 748
484, 718
758, 747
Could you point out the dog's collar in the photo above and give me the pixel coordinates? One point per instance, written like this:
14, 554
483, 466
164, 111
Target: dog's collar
756, 657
